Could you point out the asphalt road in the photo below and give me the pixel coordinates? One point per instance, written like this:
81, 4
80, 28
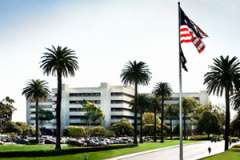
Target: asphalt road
191, 152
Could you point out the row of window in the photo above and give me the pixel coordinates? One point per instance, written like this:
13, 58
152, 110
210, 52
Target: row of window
121, 109
121, 94
75, 109
120, 102
77, 117
93, 94
82, 101
121, 117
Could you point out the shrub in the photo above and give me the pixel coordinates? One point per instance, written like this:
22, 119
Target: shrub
109, 133
97, 131
75, 131
122, 128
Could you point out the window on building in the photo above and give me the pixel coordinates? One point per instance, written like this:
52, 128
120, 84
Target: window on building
120, 109
77, 117
121, 94
75, 109
119, 102
81, 101
93, 94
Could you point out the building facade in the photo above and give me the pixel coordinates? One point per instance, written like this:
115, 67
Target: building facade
114, 101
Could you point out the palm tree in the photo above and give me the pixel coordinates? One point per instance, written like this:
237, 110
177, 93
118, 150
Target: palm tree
172, 113
222, 78
36, 90
236, 100
135, 73
143, 103
164, 91
60, 61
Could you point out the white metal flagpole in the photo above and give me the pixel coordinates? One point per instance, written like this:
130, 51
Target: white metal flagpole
180, 89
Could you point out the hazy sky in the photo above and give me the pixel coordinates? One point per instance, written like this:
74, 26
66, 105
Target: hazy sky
108, 33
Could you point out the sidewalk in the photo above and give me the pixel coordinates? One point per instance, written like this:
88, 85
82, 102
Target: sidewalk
148, 151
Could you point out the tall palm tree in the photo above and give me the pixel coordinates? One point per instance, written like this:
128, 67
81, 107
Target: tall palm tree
60, 61
164, 91
36, 90
143, 103
222, 78
135, 73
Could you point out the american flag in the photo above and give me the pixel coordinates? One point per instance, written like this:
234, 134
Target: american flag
190, 32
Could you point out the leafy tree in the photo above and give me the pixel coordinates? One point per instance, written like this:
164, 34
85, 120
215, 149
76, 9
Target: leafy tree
122, 128
19, 128
189, 104
135, 73
172, 113
209, 123
6, 111
163, 91
148, 118
60, 61
223, 77
93, 113
36, 90
148, 127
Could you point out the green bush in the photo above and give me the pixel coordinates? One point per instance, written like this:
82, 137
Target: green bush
109, 133
98, 131
75, 131
122, 128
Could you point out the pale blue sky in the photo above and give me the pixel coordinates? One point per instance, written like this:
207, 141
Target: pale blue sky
105, 35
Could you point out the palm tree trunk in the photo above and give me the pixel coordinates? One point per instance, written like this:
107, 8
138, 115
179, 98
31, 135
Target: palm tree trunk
155, 124
135, 114
58, 112
171, 128
184, 126
162, 119
227, 120
141, 125
37, 123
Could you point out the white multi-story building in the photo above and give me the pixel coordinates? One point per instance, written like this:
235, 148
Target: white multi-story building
114, 101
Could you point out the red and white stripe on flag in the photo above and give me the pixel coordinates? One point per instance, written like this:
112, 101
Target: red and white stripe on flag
187, 36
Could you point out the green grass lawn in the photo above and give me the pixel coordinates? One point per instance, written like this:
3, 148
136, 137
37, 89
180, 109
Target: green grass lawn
232, 154
100, 155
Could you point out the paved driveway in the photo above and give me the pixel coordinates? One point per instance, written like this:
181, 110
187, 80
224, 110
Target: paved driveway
191, 152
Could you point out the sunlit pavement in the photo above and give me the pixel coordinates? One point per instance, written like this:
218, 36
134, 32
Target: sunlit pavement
191, 152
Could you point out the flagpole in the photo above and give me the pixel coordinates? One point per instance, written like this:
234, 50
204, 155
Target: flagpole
180, 89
